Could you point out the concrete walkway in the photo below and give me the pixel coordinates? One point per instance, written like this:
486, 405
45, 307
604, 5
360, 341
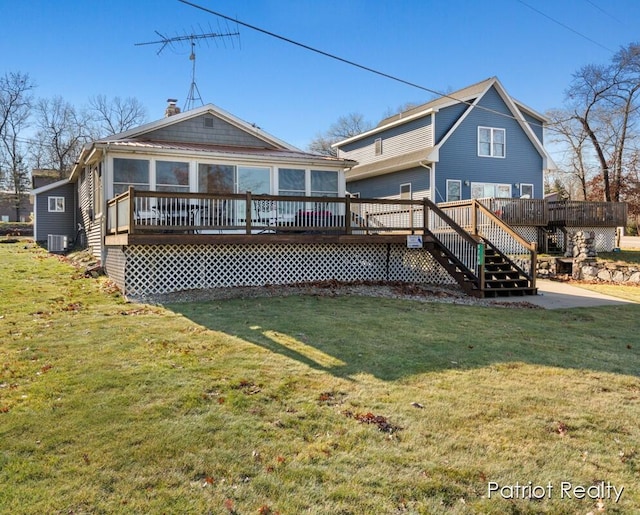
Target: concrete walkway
560, 295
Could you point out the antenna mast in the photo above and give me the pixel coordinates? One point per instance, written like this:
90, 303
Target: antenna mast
194, 93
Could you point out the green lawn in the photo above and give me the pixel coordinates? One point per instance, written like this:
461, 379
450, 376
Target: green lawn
306, 404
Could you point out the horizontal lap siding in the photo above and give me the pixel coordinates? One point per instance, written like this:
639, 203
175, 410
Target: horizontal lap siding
459, 154
388, 185
395, 142
92, 228
56, 223
194, 131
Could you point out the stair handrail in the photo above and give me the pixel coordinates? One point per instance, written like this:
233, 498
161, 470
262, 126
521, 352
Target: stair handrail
468, 259
496, 221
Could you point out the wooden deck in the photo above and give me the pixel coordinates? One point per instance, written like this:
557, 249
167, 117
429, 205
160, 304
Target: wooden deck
543, 213
163, 224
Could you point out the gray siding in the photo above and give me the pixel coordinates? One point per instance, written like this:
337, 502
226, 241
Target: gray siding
388, 185
55, 223
396, 141
195, 131
459, 154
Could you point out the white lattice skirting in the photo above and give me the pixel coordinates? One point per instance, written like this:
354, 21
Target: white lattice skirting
149, 269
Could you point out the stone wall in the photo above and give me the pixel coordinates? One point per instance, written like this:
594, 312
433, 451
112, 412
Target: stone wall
587, 270
579, 263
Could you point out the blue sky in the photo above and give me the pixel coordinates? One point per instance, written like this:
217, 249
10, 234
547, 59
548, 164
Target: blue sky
78, 49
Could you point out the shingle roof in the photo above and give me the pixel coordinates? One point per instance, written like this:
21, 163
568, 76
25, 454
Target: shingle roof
465, 94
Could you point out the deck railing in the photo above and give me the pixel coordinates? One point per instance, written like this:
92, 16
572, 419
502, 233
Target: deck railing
478, 219
137, 211
152, 212
574, 213
540, 213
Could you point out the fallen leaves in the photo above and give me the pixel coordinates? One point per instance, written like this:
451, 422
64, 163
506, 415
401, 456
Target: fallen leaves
381, 422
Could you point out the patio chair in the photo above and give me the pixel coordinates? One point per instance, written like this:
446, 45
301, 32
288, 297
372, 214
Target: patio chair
266, 213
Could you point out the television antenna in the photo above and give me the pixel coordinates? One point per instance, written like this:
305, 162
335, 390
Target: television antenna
194, 95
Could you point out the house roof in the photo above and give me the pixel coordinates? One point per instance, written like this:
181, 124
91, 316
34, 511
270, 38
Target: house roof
465, 95
471, 95
277, 154
49, 187
461, 96
193, 113
393, 164
141, 137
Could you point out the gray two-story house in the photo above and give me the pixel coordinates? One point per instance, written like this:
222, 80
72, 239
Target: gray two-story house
477, 142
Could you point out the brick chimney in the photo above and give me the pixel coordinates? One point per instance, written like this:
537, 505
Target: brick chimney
172, 108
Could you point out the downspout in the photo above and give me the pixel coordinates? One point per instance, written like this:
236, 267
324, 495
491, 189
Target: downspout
424, 164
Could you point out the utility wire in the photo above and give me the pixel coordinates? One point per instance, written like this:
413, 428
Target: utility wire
605, 12
565, 26
350, 63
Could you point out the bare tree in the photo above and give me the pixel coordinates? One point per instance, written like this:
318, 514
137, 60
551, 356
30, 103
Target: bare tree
116, 115
61, 134
604, 100
346, 127
576, 166
15, 109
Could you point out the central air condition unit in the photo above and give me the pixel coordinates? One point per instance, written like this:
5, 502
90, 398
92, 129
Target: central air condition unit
57, 243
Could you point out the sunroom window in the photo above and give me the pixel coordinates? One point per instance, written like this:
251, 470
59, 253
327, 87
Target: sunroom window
291, 181
172, 176
324, 183
130, 172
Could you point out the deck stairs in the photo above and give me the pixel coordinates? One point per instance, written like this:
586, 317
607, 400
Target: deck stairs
465, 278
502, 277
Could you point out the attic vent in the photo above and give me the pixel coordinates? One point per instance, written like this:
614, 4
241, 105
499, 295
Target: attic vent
57, 243
208, 122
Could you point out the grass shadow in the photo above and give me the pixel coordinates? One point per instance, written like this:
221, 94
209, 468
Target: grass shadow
392, 339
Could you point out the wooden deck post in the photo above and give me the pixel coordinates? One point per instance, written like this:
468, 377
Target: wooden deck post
534, 263
247, 212
425, 216
474, 218
347, 215
131, 222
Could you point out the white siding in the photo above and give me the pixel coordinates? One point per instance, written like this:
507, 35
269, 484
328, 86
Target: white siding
392, 146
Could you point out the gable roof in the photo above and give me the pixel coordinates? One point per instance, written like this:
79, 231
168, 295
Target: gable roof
471, 95
49, 187
194, 113
141, 138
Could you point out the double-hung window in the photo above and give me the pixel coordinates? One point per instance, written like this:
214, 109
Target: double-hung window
491, 142
56, 204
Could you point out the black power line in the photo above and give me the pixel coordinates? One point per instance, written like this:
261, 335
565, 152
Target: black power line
351, 63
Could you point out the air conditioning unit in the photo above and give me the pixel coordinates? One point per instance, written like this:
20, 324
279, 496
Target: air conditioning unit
57, 243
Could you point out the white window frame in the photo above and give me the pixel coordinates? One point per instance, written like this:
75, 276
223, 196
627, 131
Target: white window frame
56, 204
452, 181
492, 150
523, 185
378, 146
410, 192
505, 187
